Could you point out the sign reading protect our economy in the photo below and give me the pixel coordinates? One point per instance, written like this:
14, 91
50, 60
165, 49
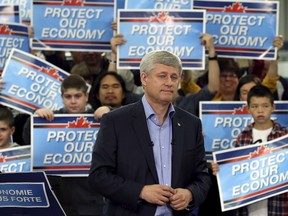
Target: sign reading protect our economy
12, 35
73, 24
27, 193
252, 173
31, 83
24, 7
64, 146
17, 159
159, 4
223, 122
242, 29
10, 14
174, 31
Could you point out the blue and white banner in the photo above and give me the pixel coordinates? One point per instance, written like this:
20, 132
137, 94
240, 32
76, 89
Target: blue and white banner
119, 4
174, 31
12, 35
16, 159
24, 7
252, 173
242, 29
27, 194
159, 4
10, 14
31, 83
32, 195
64, 146
223, 122
75, 25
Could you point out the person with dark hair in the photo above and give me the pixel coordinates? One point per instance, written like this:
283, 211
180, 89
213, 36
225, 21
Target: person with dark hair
230, 73
110, 90
7, 128
244, 86
81, 200
261, 105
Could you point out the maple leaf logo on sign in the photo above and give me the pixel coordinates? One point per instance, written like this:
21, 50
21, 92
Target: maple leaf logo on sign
161, 17
2, 158
262, 150
5, 30
80, 122
72, 3
242, 110
236, 8
51, 72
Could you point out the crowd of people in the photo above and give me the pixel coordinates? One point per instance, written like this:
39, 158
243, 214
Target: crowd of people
160, 115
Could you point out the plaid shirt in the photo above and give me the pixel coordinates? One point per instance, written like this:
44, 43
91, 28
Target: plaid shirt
277, 205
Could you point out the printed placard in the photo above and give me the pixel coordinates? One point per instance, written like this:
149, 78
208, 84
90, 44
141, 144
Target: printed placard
223, 121
64, 146
31, 195
27, 193
252, 173
159, 4
74, 25
174, 31
242, 29
24, 7
12, 35
31, 83
16, 159
10, 14
119, 4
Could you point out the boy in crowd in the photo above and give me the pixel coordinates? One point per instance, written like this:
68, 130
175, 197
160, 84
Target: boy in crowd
7, 128
81, 200
261, 105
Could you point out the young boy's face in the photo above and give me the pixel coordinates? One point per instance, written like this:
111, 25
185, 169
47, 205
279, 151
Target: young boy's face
5, 133
261, 110
75, 100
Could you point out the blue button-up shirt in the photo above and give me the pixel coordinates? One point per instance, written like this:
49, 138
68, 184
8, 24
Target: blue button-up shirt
161, 137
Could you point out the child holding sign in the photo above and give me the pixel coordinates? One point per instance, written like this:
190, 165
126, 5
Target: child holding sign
261, 106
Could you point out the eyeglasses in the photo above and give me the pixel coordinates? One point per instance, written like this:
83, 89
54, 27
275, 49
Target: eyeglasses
228, 75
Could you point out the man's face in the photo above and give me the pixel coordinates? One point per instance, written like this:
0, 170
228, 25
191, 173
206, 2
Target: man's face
111, 92
161, 83
5, 133
75, 100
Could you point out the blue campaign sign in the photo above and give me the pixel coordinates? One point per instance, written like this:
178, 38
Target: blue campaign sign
119, 4
24, 8
12, 35
252, 173
242, 29
224, 121
27, 194
174, 31
10, 14
31, 195
64, 146
31, 83
76, 25
159, 4
17, 159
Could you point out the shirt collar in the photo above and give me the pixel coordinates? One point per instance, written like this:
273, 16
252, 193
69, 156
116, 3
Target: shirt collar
149, 112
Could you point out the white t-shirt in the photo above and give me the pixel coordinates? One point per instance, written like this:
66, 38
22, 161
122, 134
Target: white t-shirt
261, 207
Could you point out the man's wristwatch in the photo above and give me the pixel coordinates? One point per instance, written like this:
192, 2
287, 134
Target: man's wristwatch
213, 57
